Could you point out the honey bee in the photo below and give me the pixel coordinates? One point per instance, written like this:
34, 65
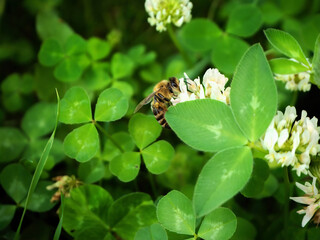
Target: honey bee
160, 97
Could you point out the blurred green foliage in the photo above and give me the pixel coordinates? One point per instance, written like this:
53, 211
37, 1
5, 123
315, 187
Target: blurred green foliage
103, 58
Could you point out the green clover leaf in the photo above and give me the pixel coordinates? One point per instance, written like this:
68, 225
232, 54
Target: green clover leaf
175, 213
144, 129
75, 107
112, 105
158, 156
82, 143
126, 166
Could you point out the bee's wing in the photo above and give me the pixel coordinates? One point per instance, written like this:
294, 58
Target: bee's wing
145, 101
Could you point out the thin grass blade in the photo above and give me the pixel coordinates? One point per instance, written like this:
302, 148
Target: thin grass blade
39, 169
59, 227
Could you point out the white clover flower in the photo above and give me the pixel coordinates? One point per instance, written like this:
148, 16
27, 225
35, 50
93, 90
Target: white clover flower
311, 198
212, 87
213, 76
290, 142
295, 82
164, 12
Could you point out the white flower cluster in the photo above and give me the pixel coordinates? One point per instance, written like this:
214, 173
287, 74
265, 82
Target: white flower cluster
213, 87
295, 82
163, 12
311, 198
290, 142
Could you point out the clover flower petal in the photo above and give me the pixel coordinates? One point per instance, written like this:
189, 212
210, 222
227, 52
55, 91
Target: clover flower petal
284, 135
290, 114
270, 139
303, 200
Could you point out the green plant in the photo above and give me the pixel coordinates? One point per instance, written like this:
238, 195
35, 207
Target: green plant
237, 143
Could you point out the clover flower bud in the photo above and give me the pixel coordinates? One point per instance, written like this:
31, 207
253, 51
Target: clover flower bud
64, 184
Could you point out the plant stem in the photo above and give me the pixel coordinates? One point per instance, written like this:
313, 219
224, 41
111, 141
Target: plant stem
270, 51
286, 199
88, 15
257, 147
2, 6
294, 98
153, 186
177, 44
213, 7
198, 67
136, 186
108, 135
254, 2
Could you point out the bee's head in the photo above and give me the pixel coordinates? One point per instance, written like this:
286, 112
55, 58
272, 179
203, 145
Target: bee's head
174, 84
